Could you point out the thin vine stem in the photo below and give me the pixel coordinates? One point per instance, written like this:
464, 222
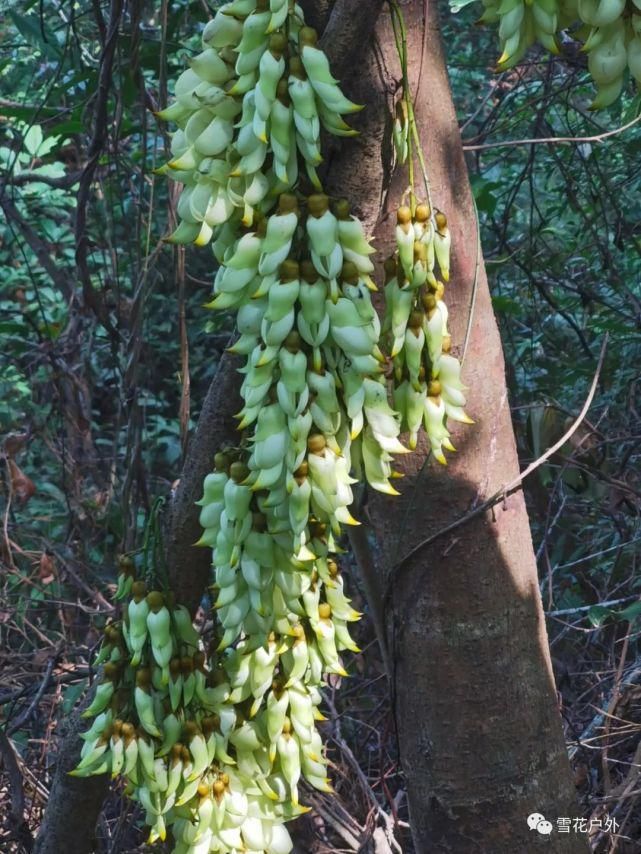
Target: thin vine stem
415, 148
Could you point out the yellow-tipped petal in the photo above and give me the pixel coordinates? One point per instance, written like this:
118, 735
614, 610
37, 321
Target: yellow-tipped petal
305, 554
386, 488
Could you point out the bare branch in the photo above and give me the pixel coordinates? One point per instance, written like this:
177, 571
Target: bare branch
96, 147
553, 140
24, 717
509, 488
582, 609
63, 182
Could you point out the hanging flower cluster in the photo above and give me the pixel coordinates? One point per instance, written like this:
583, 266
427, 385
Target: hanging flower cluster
248, 108
428, 389
609, 30
215, 743
315, 408
176, 723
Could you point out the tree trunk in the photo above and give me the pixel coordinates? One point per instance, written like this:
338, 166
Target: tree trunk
480, 735
74, 803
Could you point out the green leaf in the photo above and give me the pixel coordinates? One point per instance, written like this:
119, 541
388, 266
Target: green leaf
484, 196
633, 110
69, 127
507, 305
631, 612
47, 145
52, 490
41, 38
71, 696
51, 170
598, 614
33, 139
26, 112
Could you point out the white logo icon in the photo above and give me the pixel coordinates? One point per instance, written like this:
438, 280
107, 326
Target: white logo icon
538, 822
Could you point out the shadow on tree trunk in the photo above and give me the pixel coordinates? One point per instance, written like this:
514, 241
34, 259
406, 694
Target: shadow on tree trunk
480, 735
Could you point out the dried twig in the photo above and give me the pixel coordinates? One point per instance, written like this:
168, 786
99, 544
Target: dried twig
566, 612
24, 716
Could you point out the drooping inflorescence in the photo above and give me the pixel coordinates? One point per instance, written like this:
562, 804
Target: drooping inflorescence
174, 721
215, 742
608, 30
427, 386
249, 110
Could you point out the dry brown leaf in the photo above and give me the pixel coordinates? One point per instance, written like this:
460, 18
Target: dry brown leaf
46, 569
14, 443
23, 487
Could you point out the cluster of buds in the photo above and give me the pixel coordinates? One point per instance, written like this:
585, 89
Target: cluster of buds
251, 103
268, 583
428, 388
214, 744
314, 408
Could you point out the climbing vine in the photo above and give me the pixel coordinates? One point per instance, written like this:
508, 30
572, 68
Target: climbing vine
214, 742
